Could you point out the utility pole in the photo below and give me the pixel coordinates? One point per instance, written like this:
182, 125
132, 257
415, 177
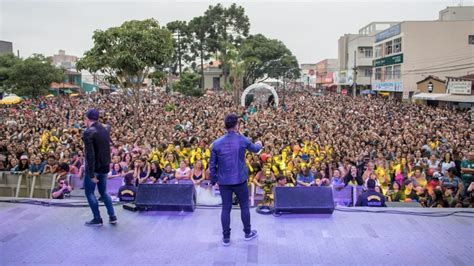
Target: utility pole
354, 74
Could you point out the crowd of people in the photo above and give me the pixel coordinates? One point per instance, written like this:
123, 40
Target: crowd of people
412, 152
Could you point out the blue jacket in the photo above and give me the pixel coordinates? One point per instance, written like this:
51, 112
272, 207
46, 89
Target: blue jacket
227, 162
371, 198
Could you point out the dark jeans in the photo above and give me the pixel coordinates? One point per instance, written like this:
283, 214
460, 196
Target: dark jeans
242, 192
89, 188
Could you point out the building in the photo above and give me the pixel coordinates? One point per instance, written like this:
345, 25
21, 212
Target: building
6, 47
308, 74
411, 50
63, 60
325, 71
457, 92
213, 76
457, 13
355, 57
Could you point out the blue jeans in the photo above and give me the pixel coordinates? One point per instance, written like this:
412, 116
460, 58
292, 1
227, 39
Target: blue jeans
242, 192
89, 188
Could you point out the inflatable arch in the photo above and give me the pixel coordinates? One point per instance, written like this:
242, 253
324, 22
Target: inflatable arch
256, 86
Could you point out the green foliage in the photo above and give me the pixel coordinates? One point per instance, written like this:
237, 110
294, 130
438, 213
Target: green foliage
266, 57
29, 77
188, 84
169, 107
7, 61
213, 32
158, 77
127, 54
226, 25
182, 41
199, 48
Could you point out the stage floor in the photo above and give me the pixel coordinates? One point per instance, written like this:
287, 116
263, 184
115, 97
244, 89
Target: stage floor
32, 234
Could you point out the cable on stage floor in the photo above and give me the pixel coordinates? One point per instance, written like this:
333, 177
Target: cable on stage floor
259, 209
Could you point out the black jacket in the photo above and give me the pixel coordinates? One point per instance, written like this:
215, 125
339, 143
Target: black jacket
371, 198
97, 149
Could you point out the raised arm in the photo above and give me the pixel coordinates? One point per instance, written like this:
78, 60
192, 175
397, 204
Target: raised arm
253, 147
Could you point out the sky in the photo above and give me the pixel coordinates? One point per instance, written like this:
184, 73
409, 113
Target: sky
310, 29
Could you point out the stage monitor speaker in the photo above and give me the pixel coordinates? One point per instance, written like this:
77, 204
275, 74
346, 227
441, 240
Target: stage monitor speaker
304, 200
166, 197
395, 204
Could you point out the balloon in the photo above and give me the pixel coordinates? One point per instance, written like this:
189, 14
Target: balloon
264, 157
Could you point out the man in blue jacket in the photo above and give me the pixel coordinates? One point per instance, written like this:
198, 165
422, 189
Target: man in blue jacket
371, 198
97, 160
229, 171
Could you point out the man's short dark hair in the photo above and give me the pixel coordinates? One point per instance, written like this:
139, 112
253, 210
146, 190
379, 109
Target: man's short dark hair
128, 179
231, 120
371, 183
92, 114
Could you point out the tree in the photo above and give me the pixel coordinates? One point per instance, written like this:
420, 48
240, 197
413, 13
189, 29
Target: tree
181, 44
128, 54
227, 27
267, 58
198, 27
213, 32
188, 84
7, 61
32, 76
237, 67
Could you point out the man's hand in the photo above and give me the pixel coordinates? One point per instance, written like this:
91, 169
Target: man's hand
95, 180
259, 143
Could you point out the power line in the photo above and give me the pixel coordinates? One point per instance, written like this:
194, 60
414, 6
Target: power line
435, 68
439, 71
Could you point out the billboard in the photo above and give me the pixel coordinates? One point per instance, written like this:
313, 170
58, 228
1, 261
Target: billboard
396, 86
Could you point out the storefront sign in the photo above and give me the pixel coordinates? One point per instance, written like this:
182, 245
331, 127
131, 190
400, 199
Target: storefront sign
459, 87
339, 77
390, 32
389, 60
406, 95
388, 86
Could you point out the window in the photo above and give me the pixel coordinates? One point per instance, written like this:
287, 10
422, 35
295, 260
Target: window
365, 52
368, 52
397, 45
397, 72
367, 72
388, 72
378, 73
388, 48
471, 39
378, 50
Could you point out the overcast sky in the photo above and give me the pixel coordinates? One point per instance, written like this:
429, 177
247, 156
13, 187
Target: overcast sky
310, 29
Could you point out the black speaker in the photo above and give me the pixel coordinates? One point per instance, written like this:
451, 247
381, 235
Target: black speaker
395, 204
166, 197
304, 200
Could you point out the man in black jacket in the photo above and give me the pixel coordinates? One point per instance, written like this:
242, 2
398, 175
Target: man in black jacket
371, 198
97, 160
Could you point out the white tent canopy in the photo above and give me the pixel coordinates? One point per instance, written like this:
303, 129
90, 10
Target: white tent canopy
256, 86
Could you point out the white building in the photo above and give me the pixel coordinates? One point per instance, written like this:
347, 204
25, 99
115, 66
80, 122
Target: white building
411, 50
355, 53
308, 74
